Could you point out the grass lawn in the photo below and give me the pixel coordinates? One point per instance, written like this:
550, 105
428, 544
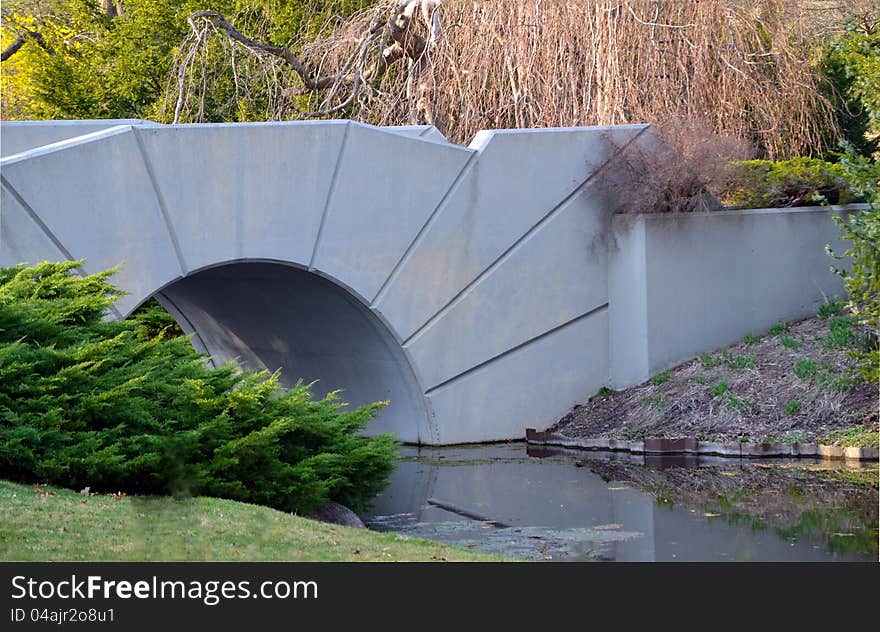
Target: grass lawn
53, 524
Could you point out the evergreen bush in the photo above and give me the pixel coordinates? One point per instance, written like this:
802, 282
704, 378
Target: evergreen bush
787, 183
128, 406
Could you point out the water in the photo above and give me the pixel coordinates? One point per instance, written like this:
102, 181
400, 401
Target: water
548, 504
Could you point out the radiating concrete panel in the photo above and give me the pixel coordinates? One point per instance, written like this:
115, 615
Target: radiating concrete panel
18, 136
21, 239
244, 191
518, 178
532, 386
558, 272
387, 186
96, 198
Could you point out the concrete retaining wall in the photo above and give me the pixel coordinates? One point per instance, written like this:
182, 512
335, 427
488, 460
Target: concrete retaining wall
680, 285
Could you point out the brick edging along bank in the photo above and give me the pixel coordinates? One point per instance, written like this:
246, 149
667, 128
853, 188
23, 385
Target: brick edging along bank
694, 446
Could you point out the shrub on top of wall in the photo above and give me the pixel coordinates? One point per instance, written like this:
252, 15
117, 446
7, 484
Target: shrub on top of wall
114, 406
786, 183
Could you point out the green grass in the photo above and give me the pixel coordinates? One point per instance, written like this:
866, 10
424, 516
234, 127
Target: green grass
830, 309
793, 407
701, 379
708, 361
857, 437
739, 362
841, 383
720, 389
840, 333
604, 391
750, 339
55, 524
805, 369
790, 343
778, 328
661, 378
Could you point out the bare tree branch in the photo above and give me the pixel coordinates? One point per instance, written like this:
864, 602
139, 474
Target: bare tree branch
23, 36
282, 52
10, 50
388, 40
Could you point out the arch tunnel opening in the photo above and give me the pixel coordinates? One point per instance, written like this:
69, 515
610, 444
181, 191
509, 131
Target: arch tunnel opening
267, 315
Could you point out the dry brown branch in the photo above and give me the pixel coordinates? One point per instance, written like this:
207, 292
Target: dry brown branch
355, 68
746, 68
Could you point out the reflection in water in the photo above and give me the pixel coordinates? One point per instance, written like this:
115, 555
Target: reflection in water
549, 504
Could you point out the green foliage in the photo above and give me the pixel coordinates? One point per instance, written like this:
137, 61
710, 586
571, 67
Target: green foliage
786, 183
708, 361
792, 407
98, 67
862, 280
832, 308
661, 378
604, 391
750, 339
855, 437
840, 332
107, 404
103, 67
778, 328
739, 362
852, 65
790, 343
736, 403
720, 389
805, 369
840, 383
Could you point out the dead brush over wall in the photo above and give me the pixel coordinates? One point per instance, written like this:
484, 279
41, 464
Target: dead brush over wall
746, 68
681, 166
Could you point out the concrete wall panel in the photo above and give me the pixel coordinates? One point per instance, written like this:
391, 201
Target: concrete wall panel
95, 196
518, 177
244, 191
21, 238
712, 278
556, 273
386, 187
425, 132
530, 387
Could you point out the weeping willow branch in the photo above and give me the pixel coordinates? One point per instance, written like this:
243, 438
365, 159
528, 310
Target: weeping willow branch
367, 63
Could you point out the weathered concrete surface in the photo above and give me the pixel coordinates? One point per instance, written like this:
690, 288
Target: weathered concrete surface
470, 286
683, 284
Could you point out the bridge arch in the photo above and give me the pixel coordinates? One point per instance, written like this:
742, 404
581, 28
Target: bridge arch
272, 315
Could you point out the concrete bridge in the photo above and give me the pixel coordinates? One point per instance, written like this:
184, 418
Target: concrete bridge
480, 289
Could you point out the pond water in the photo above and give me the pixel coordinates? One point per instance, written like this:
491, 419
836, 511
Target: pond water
547, 504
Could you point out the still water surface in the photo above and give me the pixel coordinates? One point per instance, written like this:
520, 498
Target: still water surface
543, 504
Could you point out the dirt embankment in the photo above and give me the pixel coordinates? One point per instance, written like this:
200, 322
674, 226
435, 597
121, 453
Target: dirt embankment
798, 383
